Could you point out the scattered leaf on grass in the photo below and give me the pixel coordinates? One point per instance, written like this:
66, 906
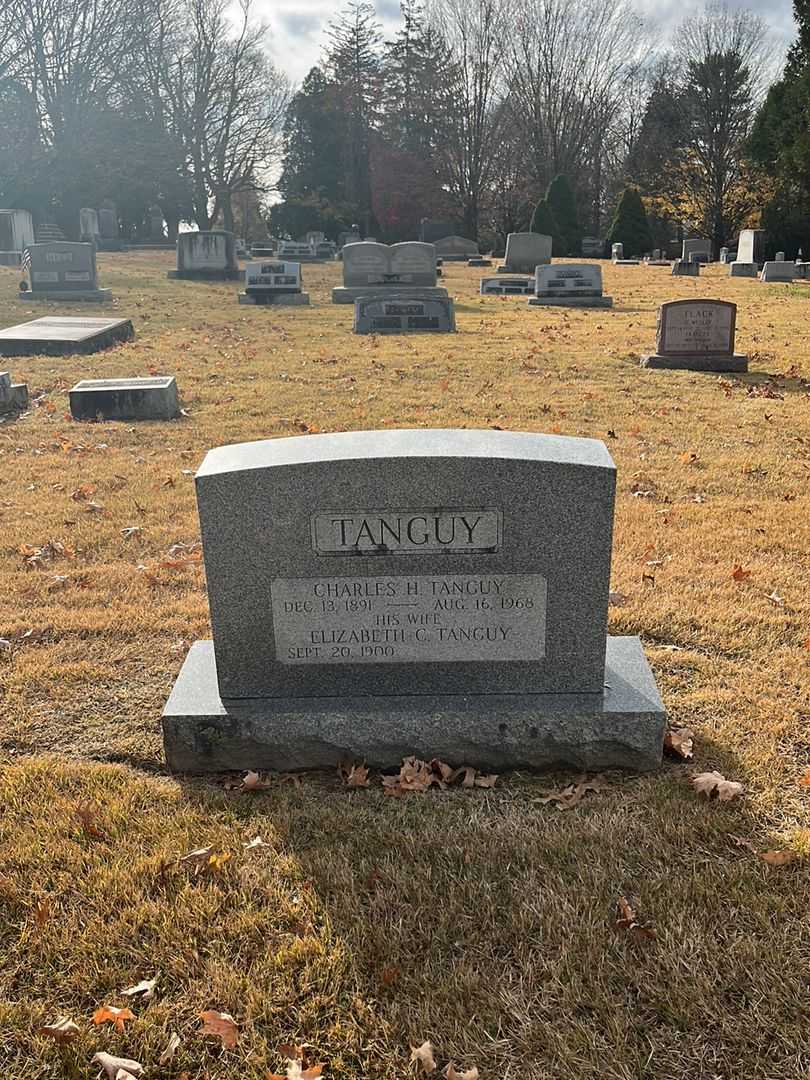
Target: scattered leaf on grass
171, 1049
573, 794
627, 920
113, 1065
145, 990
83, 493
715, 786
423, 1057
255, 843
251, 781
739, 574
805, 780
198, 857
220, 1024
453, 1074
87, 815
354, 776
779, 858
110, 1014
679, 741
62, 1030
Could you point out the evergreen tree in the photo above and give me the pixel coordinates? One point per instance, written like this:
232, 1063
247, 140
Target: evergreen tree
543, 222
562, 206
314, 131
630, 226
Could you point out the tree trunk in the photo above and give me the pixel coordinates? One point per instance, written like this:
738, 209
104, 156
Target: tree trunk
225, 203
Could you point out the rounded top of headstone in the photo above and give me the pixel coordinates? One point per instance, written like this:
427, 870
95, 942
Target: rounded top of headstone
406, 443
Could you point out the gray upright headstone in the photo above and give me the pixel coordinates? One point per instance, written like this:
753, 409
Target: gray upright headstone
16, 234
273, 282
13, 396
384, 593
681, 268
89, 230
751, 246
455, 248
779, 271
403, 315
206, 256
696, 249
569, 285
63, 270
526, 251
696, 335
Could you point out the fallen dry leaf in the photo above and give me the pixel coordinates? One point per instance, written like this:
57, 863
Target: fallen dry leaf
739, 574
144, 989
171, 1049
573, 794
423, 1057
453, 1074
779, 858
109, 1013
679, 741
112, 1065
627, 920
251, 781
220, 1024
805, 780
62, 1030
354, 776
255, 843
87, 814
715, 786
83, 493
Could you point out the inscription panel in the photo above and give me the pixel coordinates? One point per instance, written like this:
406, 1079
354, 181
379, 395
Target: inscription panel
431, 618
406, 532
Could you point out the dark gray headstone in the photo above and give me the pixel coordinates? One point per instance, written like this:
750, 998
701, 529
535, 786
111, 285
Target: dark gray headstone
382, 593
680, 268
125, 399
63, 270
13, 396
778, 271
207, 256
696, 335
403, 315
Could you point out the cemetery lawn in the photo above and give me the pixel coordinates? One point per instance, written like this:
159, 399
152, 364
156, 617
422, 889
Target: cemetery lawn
481, 920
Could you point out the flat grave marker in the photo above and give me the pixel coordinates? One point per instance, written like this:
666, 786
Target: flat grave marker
384, 593
403, 315
62, 335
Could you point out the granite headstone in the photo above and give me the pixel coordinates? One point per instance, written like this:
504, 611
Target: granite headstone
407, 269
696, 335
206, 256
273, 282
525, 251
153, 398
63, 270
403, 315
569, 285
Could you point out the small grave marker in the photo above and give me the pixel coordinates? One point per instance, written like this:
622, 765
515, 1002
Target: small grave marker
125, 399
696, 335
403, 315
569, 285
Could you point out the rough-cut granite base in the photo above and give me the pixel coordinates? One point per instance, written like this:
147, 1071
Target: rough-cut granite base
571, 301
67, 296
347, 294
622, 728
300, 299
698, 362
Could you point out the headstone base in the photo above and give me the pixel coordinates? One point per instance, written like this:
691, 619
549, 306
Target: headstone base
742, 269
657, 262
621, 728
626, 262
276, 300
525, 269
66, 296
107, 243
571, 301
511, 286
685, 269
347, 294
697, 362
125, 399
479, 262
56, 335
206, 275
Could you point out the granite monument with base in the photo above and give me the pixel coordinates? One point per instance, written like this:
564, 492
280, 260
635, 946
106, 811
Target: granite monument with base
403, 315
696, 335
61, 270
63, 335
742, 269
206, 256
275, 283
778, 270
384, 593
751, 246
372, 269
152, 398
525, 251
569, 285
683, 268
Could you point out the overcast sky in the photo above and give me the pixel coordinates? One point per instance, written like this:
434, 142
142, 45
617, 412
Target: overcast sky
297, 25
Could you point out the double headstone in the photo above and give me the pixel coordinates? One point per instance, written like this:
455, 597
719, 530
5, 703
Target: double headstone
16, 234
525, 251
273, 282
569, 285
206, 256
403, 315
696, 335
372, 269
63, 270
13, 396
152, 398
384, 593
455, 248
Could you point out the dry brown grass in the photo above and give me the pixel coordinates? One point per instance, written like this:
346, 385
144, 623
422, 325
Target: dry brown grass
481, 921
